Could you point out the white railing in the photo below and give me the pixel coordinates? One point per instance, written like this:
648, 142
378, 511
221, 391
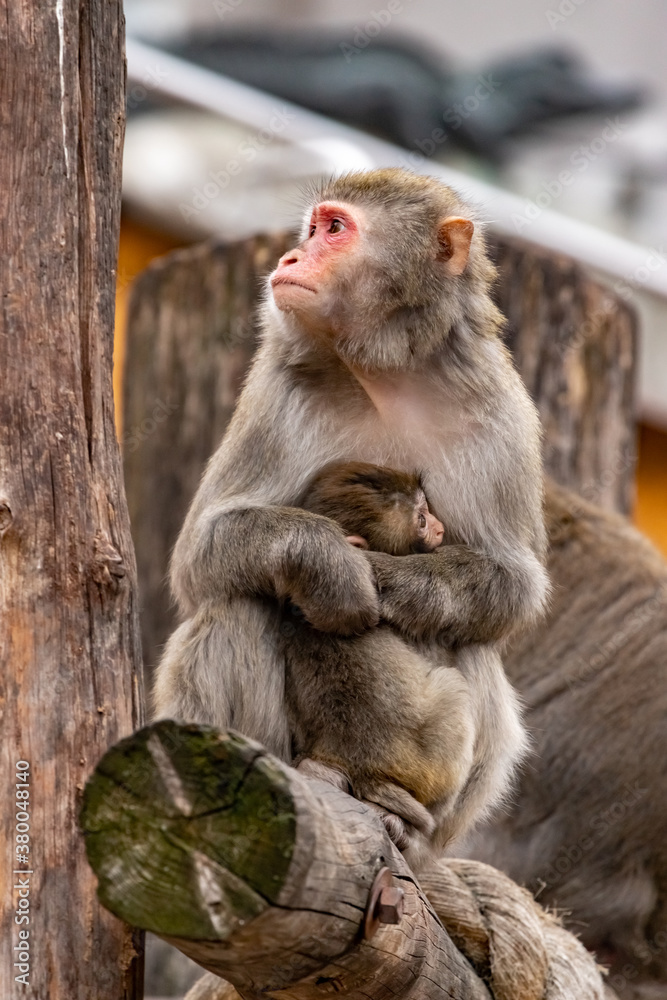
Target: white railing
182, 81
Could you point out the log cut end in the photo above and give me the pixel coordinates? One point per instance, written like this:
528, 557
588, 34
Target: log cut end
188, 815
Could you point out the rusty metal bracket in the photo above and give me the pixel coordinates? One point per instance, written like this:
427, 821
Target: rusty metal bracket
385, 903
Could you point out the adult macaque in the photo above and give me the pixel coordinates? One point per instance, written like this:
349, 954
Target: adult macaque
587, 831
380, 344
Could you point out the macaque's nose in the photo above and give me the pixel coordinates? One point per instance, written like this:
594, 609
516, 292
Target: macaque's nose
291, 257
437, 529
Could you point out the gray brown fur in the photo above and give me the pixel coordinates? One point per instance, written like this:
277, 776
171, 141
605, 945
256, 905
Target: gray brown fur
407, 332
588, 829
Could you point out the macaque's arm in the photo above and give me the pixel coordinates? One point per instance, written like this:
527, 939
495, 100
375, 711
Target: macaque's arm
281, 552
241, 536
466, 595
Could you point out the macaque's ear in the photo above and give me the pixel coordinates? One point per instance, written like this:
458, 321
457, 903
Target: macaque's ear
454, 236
357, 541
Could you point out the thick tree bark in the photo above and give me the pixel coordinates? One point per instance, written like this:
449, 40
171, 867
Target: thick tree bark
69, 643
262, 876
191, 336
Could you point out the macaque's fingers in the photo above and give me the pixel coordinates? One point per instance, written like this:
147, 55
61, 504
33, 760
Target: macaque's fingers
396, 829
357, 541
416, 847
397, 800
324, 772
394, 825
351, 618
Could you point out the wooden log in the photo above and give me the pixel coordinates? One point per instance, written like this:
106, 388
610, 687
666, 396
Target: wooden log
262, 876
69, 641
191, 336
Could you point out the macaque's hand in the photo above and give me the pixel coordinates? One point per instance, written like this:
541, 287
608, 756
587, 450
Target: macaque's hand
357, 541
401, 832
395, 825
405, 835
406, 595
386, 569
336, 590
458, 593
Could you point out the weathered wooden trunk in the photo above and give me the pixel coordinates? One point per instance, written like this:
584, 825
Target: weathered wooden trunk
192, 335
575, 344
69, 640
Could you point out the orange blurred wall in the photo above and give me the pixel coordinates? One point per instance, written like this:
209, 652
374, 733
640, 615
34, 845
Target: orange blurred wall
137, 248
651, 505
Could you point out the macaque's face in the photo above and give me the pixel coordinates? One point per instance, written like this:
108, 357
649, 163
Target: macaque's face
374, 275
307, 277
400, 531
428, 530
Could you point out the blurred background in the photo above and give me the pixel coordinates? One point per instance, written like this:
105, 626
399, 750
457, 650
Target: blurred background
562, 102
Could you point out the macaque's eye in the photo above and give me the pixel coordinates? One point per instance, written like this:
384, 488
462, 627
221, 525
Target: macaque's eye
336, 226
421, 521
311, 231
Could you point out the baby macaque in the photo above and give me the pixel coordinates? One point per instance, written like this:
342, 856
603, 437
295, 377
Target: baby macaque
392, 714
377, 508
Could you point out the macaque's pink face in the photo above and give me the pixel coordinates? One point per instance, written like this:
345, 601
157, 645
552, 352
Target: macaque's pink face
305, 278
429, 530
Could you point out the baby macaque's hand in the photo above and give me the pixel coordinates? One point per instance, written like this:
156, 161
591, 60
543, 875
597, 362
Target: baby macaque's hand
357, 541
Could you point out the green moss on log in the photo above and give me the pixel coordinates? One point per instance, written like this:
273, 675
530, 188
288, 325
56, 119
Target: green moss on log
189, 831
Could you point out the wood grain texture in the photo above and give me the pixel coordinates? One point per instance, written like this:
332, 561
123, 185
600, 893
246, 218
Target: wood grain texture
69, 644
575, 344
191, 336
259, 874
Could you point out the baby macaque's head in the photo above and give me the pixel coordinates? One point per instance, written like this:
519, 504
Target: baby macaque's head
378, 508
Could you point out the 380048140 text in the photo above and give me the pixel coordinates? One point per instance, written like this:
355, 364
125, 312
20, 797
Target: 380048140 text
22, 873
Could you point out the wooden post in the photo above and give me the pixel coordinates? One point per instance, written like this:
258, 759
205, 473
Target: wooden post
262, 876
575, 343
69, 649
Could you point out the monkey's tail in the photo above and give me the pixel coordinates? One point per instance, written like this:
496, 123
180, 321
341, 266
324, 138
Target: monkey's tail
397, 800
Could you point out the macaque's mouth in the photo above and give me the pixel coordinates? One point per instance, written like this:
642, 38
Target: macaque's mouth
288, 281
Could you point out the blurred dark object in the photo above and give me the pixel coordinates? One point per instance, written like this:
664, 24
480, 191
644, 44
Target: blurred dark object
405, 93
533, 88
